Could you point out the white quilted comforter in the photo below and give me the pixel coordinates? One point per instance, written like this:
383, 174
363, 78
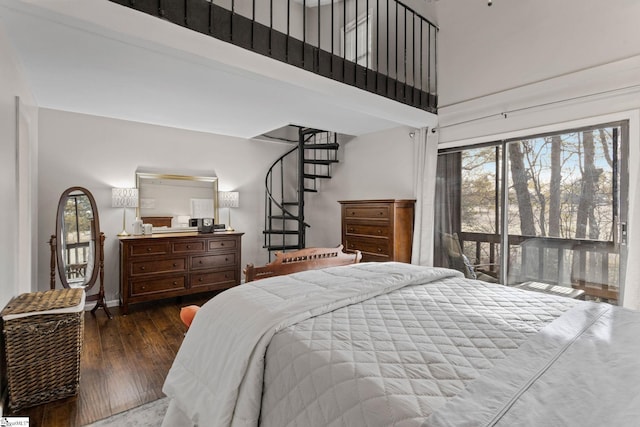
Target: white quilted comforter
363, 345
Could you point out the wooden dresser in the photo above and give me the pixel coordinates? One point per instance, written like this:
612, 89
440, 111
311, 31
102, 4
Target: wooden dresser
174, 264
381, 229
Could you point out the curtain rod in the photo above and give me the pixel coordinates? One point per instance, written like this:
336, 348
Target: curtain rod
506, 113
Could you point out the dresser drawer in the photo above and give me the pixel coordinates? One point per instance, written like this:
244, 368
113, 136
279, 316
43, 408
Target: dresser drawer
223, 278
367, 230
367, 257
188, 247
212, 261
369, 212
164, 284
372, 245
158, 266
149, 248
222, 244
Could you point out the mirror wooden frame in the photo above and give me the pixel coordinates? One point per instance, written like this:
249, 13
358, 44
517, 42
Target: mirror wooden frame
97, 236
213, 180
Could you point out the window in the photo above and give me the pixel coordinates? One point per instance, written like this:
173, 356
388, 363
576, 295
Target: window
550, 208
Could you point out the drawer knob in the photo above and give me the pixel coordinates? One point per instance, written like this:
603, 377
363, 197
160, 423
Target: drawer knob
175, 283
199, 279
142, 268
351, 230
143, 288
379, 231
379, 213
222, 244
148, 249
226, 259
379, 249
175, 264
200, 262
226, 276
188, 246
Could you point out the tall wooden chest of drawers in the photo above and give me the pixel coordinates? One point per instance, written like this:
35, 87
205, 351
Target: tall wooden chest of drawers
381, 229
175, 264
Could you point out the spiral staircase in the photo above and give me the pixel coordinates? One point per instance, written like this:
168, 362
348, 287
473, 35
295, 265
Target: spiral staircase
289, 178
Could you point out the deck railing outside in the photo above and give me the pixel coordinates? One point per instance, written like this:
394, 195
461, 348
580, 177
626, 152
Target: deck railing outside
590, 265
382, 46
76, 256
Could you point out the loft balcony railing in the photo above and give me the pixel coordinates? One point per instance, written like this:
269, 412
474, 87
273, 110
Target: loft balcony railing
382, 46
590, 265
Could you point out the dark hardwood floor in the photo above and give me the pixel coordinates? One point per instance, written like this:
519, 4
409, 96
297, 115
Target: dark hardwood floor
123, 364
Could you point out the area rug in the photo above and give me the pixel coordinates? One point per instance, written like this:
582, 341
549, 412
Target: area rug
148, 415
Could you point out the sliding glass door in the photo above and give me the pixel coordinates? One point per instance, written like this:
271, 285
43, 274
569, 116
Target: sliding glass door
548, 208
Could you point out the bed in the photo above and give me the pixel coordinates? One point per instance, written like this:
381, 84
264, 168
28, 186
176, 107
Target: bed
380, 344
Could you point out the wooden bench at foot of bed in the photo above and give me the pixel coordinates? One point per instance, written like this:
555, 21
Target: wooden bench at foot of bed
301, 260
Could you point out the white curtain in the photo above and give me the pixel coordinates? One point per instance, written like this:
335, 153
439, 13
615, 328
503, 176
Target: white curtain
425, 161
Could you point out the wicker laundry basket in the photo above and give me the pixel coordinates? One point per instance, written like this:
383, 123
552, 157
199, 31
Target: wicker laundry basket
43, 333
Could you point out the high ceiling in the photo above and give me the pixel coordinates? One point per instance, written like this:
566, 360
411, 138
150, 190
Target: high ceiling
99, 58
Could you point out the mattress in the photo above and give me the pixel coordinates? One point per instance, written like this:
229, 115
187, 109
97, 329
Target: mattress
382, 344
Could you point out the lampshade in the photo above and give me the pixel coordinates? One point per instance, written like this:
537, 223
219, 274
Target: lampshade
229, 199
124, 197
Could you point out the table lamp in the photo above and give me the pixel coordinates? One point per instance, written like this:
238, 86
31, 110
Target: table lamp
124, 198
229, 199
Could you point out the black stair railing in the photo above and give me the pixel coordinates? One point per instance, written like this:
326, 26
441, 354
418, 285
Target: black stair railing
291, 176
382, 46
279, 212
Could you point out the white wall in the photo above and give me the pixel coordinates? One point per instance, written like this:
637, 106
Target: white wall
484, 49
100, 153
374, 166
18, 142
18, 139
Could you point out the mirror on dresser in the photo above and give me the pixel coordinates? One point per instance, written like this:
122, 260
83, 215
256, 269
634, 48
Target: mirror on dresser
77, 248
169, 201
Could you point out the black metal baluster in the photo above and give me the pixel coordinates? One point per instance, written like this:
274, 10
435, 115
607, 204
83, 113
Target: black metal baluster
210, 27
288, 29
304, 30
405, 51
421, 69
413, 50
377, 41
435, 61
386, 81
344, 31
253, 22
366, 46
397, 28
332, 31
344, 41
317, 65
271, 27
356, 40
233, 11
428, 63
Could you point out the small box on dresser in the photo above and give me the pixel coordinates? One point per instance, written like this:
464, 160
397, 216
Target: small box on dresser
381, 229
176, 264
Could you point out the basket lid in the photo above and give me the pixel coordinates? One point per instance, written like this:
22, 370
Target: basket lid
47, 302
